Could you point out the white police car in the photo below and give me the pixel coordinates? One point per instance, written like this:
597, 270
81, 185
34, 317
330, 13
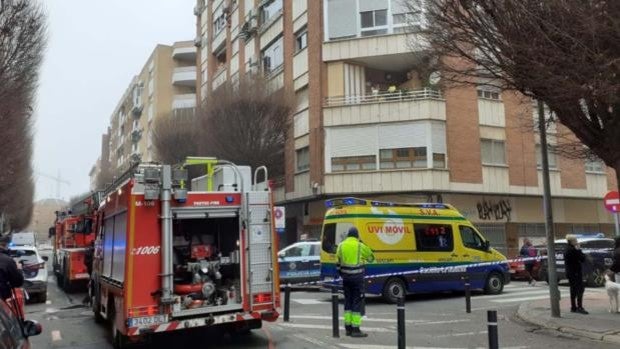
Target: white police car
300, 262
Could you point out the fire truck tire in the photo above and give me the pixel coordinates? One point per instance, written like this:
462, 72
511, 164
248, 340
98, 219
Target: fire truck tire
119, 341
95, 301
66, 284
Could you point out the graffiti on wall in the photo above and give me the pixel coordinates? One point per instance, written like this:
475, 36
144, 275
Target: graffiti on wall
490, 210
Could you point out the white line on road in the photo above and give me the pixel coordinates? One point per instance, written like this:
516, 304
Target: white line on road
307, 301
375, 346
325, 327
512, 294
533, 298
461, 334
312, 340
48, 302
56, 336
392, 321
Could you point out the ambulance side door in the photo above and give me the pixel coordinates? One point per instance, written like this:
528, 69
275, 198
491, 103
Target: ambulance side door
473, 245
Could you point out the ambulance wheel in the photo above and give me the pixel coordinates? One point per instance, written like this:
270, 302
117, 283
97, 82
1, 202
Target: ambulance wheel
494, 283
394, 289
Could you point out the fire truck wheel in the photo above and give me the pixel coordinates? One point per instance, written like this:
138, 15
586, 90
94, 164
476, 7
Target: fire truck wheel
95, 301
119, 341
66, 284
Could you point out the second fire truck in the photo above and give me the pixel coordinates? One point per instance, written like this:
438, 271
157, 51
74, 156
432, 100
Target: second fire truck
168, 258
73, 233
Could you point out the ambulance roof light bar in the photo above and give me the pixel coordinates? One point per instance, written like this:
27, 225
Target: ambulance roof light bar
360, 202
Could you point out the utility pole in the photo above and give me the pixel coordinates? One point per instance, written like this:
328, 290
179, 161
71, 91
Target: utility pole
554, 292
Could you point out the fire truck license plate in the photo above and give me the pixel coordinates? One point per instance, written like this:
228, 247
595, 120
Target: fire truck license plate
147, 320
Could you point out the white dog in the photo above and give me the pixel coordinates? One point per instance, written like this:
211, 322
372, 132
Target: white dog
612, 291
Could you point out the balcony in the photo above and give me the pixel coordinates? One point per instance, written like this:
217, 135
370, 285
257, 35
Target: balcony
187, 54
184, 76
384, 106
219, 78
184, 101
403, 45
136, 134
136, 110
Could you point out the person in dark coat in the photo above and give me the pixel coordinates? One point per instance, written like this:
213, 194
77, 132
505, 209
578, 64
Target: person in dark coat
10, 274
615, 267
573, 258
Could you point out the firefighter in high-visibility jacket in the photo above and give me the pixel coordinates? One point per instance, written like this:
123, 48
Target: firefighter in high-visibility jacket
352, 255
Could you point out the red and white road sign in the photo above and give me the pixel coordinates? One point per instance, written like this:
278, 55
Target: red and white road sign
278, 215
612, 201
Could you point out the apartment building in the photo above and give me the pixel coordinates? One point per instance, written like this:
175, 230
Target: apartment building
165, 87
371, 122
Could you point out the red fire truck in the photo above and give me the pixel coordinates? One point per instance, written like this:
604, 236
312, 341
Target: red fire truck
73, 234
168, 258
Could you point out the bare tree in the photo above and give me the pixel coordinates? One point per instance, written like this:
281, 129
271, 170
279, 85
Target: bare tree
22, 42
176, 137
564, 53
246, 122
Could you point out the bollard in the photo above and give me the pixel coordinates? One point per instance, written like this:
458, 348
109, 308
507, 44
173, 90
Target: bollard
400, 315
467, 294
492, 325
287, 302
335, 325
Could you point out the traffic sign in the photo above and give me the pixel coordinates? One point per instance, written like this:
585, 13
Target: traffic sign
279, 217
612, 201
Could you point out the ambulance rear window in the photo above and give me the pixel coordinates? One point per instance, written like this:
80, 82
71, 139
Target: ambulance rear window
333, 234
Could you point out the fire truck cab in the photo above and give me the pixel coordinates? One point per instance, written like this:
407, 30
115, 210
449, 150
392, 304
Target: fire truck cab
168, 258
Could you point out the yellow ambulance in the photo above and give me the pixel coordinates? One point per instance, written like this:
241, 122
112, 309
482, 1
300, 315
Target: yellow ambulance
414, 239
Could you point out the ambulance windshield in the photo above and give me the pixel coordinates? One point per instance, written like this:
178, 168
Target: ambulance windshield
333, 234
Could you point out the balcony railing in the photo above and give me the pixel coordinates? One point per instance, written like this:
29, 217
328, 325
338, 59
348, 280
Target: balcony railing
383, 97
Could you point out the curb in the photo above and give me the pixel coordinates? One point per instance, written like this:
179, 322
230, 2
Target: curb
523, 313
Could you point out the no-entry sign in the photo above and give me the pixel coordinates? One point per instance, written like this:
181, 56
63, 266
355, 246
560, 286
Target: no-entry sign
278, 215
612, 201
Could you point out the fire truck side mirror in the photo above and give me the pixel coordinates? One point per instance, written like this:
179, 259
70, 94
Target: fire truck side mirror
87, 226
51, 232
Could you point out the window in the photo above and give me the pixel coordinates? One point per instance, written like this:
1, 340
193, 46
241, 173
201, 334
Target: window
551, 154
598, 244
488, 94
354, 163
493, 152
302, 250
301, 40
595, 165
273, 56
471, 238
219, 23
439, 160
302, 157
374, 22
271, 9
433, 237
333, 234
403, 158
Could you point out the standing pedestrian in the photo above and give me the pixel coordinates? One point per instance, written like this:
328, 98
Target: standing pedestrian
615, 267
10, 274
528, 251
573, 258
352, 255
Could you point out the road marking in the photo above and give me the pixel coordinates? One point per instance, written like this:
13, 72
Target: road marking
512, 294
48, 302
56, 336
325, 327
533, 298
461, 334
392, 321
51, 310
378, 346
307, 301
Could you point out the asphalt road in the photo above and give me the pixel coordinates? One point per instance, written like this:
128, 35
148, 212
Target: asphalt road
433, 321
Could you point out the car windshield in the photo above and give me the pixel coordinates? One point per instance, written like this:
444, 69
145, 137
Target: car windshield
598, 244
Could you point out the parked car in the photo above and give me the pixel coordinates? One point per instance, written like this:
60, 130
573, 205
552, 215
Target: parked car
517, 269
300, 262
34, 269
599, 251
25, 238
14, 332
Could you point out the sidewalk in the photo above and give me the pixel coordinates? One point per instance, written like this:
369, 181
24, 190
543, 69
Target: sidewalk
600, 324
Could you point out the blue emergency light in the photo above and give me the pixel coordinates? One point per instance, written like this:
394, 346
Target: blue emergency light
344, 202
230, 199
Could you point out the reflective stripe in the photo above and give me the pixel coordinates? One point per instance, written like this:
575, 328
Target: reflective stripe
356, 319
347, 317
352, 271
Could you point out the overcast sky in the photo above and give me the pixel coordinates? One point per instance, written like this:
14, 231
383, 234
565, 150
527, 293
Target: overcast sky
94, 50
